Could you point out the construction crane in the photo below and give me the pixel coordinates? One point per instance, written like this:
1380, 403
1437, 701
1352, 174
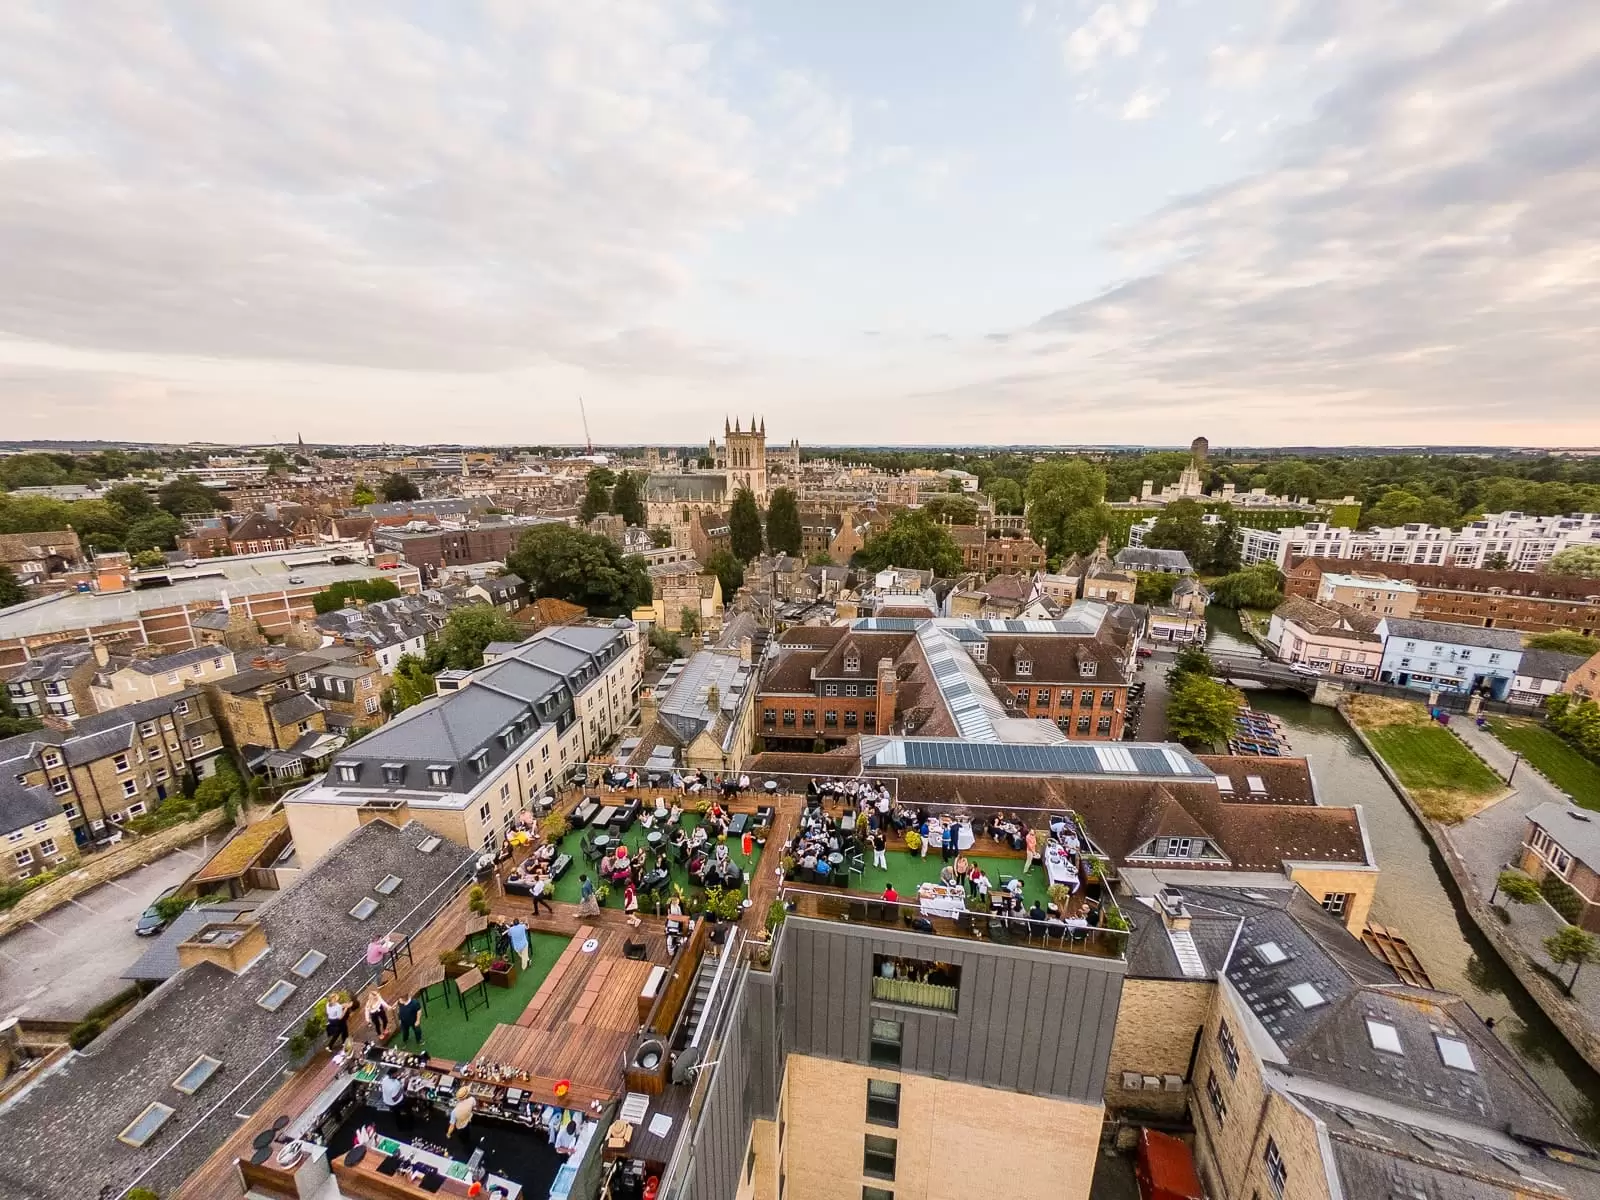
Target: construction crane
587, 440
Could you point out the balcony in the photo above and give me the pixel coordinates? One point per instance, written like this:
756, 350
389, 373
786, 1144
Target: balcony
863, 908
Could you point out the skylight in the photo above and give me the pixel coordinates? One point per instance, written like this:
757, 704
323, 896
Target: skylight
428, 845
192, 1080
387, 885
1271, 953
1384, 1037
1455, 1053
364, 909
1224, 785
144, 1126
308, 964
1257, 784
275, 995
1306, 995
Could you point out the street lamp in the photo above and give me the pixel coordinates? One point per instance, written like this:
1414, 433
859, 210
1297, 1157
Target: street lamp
1516, 761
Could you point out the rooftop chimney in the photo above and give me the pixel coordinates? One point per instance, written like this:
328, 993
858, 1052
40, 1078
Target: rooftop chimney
231, 945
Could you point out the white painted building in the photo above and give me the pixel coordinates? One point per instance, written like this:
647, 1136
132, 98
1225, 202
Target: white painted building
1527, 543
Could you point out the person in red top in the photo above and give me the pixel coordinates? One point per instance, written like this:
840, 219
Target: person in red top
890, 894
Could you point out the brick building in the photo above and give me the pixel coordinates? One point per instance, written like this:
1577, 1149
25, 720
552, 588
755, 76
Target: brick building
1081, 684
1531, 602
987, 551
437, 549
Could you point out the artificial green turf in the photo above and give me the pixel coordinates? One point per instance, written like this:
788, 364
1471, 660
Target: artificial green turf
568, 888
1563, 766
907, 870
1430, 756
449, 1034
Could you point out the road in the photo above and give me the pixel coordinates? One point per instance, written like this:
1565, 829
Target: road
63, 964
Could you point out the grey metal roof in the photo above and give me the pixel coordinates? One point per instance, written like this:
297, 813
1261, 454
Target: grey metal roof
1453, 635
160, 962
684, 706
73, 1114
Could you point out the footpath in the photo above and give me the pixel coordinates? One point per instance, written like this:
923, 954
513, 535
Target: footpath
1476, 851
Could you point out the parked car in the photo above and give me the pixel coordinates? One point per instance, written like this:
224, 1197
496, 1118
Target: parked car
1303, 669
1147, 651
151, 922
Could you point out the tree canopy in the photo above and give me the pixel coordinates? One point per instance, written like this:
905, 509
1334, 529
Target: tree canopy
340, 595
1059, 490
157, 531
1200, 711
744, 526
11, 591
1578, 560
728, 570
465, 634
363, 495
412, 683
916, 541
399, 487
581, 568
596, 496
1259, 586
627, 499
1565, 641
1181, 526
952, 508
186, 494
1155, 587
1570, 946
1006, 495
783, 523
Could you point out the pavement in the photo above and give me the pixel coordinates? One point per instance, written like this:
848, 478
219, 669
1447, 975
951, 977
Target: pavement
71, 959
1492, 840
1153, 674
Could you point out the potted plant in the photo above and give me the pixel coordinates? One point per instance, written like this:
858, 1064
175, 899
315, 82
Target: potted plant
777, 914
555, 827
299, 1048
1060, 896
601, 891
483, 960
500, 972
788, 866
454, 963
477, 901
913, 840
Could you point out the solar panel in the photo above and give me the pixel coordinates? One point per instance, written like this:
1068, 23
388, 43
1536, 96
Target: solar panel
1061, 758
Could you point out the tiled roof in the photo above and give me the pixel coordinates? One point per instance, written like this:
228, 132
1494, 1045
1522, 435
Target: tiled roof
1453, 635
22, 806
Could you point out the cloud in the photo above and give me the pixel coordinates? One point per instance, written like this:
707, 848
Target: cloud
1143, 103
1114, 29
503, 184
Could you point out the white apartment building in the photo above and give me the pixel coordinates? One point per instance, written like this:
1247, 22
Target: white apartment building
490, 744
1527, 543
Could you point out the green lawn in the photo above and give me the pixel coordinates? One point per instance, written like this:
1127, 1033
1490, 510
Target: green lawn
450, 1035
1431, 758
1563, 766
567, 887
906, 870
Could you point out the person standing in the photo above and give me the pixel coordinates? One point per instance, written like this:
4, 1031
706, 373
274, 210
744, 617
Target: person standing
1030, 845
517, 934
880, 845
540, 892
630, 903
949, 840
337, 1012
378, 1014
461, 1121
408, 1015
586, 901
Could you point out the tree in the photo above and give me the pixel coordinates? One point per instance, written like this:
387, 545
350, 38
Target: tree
950, 509
130, 499
689, 622
1496, 561
581, 568
596, 497
665, 643
465, 634
783, 523
1578, 560
744, 526
661, 537
914, 540
1258, 586
1201, 711
728, 570
145, 559
1190, 660
626, 499
158, 531
399, 487
412, 684
339, 595
1181, 526
1565, 641
820, 559
186, 494
1155, 587
1057, 489
11, 591
1006, 495
1571, 946
1083, 529
363, 496
1516, 887
1224, 556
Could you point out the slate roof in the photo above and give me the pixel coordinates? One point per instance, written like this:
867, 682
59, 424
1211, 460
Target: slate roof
74, 1114
176, 662
1453, 635
1145, 558
160, 962
22, 806
1576, 829
684, 707
294, 708
55, 665
1537, 584
1549, 664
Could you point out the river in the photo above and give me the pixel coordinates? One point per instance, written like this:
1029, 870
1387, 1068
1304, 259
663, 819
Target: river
1417, 896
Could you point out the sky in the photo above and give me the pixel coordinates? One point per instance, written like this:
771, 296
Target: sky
911, 221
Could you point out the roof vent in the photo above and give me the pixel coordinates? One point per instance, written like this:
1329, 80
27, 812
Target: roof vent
1578, 816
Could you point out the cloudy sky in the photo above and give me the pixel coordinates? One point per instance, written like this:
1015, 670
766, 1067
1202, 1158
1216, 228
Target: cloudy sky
928, 221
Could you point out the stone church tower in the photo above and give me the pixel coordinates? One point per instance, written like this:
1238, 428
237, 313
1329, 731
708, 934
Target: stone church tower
746, 458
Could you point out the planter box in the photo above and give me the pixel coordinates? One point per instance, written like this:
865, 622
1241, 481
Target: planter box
452, 970
501, 978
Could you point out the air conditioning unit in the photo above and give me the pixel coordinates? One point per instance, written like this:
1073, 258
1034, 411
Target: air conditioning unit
1132, 1081
1172, 1083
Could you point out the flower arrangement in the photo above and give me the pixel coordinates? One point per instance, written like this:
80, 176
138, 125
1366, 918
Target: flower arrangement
554, 827
913, 840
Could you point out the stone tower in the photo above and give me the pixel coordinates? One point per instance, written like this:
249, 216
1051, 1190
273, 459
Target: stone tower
746, 455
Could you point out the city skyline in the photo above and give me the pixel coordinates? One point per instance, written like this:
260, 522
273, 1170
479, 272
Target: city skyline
1355, 223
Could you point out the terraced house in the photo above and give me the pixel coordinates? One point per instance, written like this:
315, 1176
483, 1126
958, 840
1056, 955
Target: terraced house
115, 766
35, 834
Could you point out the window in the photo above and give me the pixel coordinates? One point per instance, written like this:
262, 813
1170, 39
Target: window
71, 811
1454, 1053
364, 909
831, 717
387, 885
199, 743
869, 1192
1219, 1106
915, 982
788, 716
439, 776
852, 689
1022, 695
130, 787
830, 689
883, 1102
769, 715
885, 1047
1087, 669
181, 708
852, 662
1024, 666
60, 785
348, 772
1086, 699
371, 705
869, 689
1384, 1036
148, 729
273, 998
1334, 902
24, 858
145, 1125
869, 720
308, 964
1083, 724
155, 751
1306, 995
878, 1161
850, 720
1103, 725
136, 810
1271, 953
1043, 695
47, 848
1230, 1052
1277, 1173
52, 758
192, 1080
120, 762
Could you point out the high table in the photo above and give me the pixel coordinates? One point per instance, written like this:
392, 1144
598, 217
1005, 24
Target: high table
940, 901
1059, 867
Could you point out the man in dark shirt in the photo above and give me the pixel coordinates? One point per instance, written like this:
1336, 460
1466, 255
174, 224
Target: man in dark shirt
409, 1015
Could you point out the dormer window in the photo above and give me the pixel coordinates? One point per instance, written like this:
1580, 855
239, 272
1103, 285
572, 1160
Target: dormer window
394, 774
852, 661
439, 774
1088, 668
480, 761
1024, 665
348, 772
